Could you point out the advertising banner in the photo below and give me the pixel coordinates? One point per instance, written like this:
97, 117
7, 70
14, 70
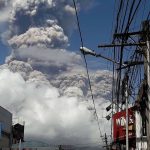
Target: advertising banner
119, 125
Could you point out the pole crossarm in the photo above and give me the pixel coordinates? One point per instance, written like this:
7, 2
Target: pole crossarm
127, 34
130, 64
134, 62
122, 44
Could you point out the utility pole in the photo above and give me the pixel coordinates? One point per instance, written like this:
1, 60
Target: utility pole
143, 48
125, 44
148, 95
125, 91
60, 147
127, 119
146, 49
106, 142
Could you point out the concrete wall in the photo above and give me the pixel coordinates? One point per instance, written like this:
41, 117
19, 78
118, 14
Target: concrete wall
141, 143
6, 120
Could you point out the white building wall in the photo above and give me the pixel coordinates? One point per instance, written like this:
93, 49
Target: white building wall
6, 121
141, 143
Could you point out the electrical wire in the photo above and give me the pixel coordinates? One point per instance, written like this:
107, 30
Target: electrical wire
148, 16
126, 8
82, 44
123, 40
144, 9
118, 16
78, 23
134, 14
116, 30
131, 12
129, 17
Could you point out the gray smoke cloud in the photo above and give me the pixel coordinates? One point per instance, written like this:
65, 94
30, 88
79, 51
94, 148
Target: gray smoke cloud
5, 10
56, 111
45, 83
48, 17
50, 37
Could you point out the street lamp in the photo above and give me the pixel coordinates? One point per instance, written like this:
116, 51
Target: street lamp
87, 51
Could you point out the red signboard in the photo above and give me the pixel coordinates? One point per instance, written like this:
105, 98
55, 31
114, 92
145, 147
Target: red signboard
119, 125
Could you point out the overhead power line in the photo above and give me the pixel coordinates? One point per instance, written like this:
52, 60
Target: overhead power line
87, 71
78, 23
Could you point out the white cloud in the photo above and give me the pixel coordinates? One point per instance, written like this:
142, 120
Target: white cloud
48, 116
70, 9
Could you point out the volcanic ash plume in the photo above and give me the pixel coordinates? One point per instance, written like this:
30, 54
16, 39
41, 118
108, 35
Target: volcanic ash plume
55, 118
45, 83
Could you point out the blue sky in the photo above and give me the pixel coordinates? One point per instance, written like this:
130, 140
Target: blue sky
4, 51
96, 26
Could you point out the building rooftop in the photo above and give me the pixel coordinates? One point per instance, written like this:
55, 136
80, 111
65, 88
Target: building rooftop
35, 144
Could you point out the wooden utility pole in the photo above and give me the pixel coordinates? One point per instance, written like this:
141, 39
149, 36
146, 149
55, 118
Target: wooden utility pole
146, 49
148, 94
